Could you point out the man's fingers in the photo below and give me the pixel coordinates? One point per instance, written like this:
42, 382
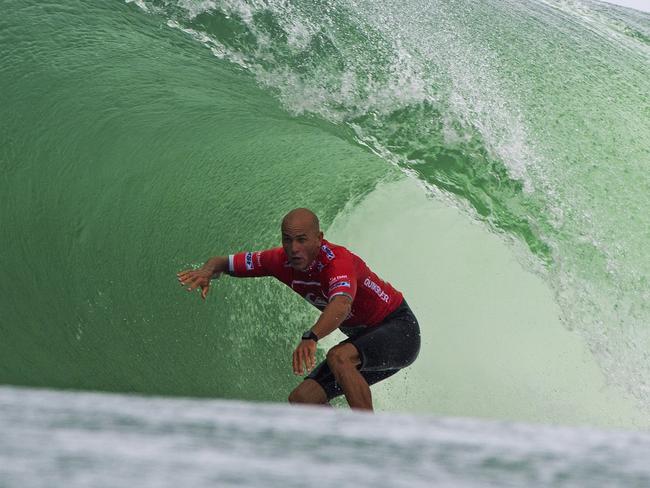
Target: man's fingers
189, 275
301, 359
186, 278
299, 354
296, 370
183, 275
193, 280
306, 359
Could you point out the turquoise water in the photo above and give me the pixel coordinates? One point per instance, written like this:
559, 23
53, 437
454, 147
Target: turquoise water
140, 138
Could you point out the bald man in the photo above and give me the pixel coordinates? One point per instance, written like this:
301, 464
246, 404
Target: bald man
383, 334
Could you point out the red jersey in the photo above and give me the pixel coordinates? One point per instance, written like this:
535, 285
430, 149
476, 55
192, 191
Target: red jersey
336, 271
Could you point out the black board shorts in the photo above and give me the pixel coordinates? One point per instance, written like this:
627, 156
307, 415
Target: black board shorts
384, 349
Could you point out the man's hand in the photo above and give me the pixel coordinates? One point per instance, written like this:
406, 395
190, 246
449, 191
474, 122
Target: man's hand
197, 278
305, 354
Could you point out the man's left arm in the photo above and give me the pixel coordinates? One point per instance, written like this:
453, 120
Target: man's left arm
332, 316
330, 319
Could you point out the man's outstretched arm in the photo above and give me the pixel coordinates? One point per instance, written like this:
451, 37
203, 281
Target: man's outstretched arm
240, 265
330, 319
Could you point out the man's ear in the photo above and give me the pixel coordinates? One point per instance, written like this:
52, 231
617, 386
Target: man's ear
320, 235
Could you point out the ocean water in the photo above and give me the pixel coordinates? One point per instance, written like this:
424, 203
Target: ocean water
55, 438
488, 158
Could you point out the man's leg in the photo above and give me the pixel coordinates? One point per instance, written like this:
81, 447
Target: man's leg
343, 361
309, 392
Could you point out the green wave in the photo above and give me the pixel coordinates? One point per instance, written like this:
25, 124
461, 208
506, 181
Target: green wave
533, 115
129, 154
130, 151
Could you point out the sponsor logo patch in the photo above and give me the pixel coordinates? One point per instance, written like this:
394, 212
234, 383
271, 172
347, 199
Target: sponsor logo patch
337, 278
248, 259
340, 284
328, 252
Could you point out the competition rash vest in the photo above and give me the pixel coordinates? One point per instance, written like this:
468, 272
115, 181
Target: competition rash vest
336, 271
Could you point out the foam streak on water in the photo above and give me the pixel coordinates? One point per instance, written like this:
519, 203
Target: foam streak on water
88, 439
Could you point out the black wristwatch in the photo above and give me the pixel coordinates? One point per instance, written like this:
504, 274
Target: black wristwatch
310, 335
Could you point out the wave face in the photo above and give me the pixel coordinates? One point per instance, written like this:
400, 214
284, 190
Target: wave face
130, 148
129, 153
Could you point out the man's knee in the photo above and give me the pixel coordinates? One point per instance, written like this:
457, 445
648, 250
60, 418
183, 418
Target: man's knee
342, 357
309, 391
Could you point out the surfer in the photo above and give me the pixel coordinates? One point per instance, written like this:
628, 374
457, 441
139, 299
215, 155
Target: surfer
383, 333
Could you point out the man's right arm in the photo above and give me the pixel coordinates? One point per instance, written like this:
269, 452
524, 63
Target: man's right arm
243, 264
246, 264
256, 263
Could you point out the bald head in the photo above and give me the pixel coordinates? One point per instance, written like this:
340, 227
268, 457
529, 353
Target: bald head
301, 237
303, 218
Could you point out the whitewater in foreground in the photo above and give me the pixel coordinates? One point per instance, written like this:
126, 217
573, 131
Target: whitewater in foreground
58, 438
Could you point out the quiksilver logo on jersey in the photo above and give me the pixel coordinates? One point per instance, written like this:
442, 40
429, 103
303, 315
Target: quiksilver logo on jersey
248, 259
377, 289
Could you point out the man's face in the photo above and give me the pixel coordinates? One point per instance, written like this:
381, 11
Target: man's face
301, 243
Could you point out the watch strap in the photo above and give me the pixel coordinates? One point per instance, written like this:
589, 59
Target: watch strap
310, 335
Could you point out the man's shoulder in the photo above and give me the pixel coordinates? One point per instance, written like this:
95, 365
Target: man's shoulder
334, 255
332, 250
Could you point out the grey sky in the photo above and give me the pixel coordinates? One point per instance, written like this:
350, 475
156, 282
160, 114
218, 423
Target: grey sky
637, 4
